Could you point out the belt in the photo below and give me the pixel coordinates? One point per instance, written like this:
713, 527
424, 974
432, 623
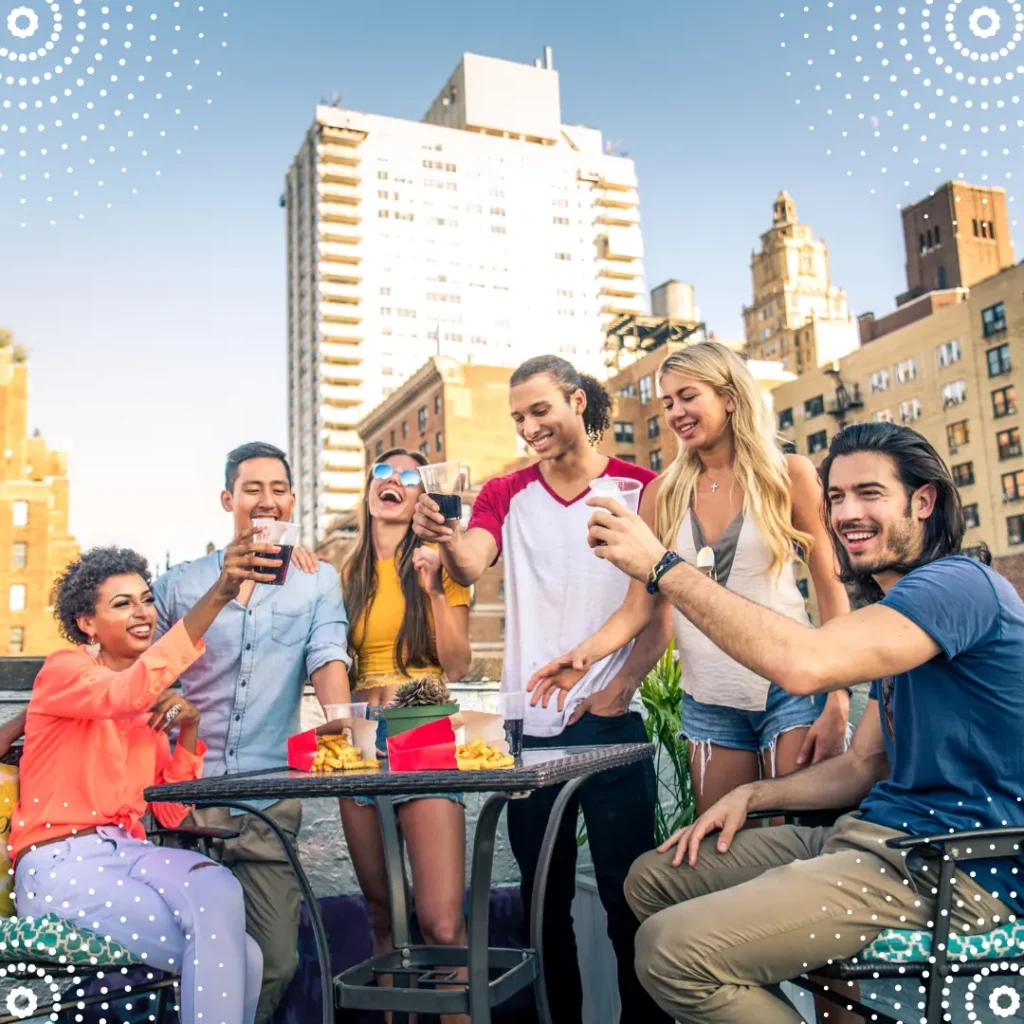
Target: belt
63, 839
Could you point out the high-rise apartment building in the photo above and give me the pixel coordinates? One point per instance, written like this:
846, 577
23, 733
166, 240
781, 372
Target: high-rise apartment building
487, 232
34, 541
952, 377
955, 238
799, 317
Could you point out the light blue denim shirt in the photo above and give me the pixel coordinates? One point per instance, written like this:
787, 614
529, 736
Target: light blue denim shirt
248, 685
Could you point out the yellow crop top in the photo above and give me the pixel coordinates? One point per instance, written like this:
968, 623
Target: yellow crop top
374, 636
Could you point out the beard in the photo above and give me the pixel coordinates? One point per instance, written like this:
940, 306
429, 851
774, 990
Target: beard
898, 550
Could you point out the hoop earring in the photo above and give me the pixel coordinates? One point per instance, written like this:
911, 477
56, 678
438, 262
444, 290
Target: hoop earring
92, 648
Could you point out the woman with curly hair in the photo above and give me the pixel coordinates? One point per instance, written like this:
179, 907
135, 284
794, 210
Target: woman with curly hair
95, 738
409, 621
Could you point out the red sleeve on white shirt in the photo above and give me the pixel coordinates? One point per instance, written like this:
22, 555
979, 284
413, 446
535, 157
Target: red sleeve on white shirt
494, 500
619, 467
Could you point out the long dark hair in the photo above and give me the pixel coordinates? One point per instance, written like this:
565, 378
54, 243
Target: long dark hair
916, 463
597, 414
414, 646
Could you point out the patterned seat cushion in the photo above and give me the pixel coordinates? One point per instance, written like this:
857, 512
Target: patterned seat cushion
51, 939
897, 946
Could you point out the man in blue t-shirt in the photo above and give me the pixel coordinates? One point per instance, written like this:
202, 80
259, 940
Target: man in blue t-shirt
939, 748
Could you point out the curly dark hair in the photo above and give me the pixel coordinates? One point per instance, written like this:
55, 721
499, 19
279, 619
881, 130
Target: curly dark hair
78, 585
597, 413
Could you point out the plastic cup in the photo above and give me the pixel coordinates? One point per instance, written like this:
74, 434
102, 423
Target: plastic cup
282, 535
358, 731
445, 483
336, 711
512, 707
619, 488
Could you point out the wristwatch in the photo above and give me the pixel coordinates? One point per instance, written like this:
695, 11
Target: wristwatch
668, 561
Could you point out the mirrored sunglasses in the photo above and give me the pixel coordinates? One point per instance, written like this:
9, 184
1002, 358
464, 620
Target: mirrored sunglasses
406, 477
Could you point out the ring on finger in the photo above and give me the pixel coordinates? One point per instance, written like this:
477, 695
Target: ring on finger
172, 713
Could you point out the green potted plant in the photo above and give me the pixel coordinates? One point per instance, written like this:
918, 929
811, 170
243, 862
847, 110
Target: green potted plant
417, 702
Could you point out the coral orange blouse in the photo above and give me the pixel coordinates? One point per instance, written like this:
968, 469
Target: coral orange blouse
89, 752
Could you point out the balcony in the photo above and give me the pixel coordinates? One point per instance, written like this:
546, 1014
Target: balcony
623, 286
344, 252
338, 272
341, 373
623, 244
347, 139
619, 218
335, 191
342, 394
620, 269
333, 231
620, 305
342, 461
339, 417
619, 176
340, 292
338, 213
628, 198
342, 440
345, 337
341, 482
331, 153
339, 312
339, 170
347, 353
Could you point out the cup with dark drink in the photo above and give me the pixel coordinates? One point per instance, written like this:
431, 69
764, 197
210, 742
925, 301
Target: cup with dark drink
445, 483
282, 535
511, 707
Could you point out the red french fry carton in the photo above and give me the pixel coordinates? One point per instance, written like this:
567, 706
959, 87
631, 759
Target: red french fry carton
431, 747
302, 747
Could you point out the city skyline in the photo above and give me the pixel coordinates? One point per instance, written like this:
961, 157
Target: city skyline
165, 316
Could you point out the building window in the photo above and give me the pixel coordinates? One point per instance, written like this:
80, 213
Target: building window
20, 513
817, 442
425, 450
883, 416
631, 459
421, 417
379, 448
954, 393
785, 419
501, 626
943, 280
971, 518
392, 441
814, 407
629, 391
16, 640
657, 463
993, 319
910, 411
1015, 529
439, 441
879, 381
949, 353
906, 371
405, 430
654, 427
999, 361
501, 589
437, 405
1004, 402
623, 433
957, 435
646, 389
963, 474
16, 601
1013, 486
1009, 443
19, 555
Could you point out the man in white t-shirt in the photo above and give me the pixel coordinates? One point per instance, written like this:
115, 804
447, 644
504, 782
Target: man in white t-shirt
557, 594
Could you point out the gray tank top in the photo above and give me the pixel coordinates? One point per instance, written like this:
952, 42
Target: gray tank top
724, 548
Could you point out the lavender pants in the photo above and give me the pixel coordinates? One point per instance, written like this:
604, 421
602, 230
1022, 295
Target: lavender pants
173, 909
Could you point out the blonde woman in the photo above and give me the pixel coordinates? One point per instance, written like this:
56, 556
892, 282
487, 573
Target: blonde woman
730, 489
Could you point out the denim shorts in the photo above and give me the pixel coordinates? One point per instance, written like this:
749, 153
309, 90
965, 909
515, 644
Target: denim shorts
382, 752
750, 730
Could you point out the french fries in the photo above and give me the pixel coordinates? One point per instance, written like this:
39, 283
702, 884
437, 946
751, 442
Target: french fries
335, 753
481, 756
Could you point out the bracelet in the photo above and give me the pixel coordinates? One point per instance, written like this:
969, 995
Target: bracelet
668, 561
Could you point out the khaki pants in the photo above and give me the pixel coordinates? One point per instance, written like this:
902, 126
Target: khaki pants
272, 893
781, 902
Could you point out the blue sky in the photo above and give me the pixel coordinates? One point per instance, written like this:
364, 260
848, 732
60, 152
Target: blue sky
157, 327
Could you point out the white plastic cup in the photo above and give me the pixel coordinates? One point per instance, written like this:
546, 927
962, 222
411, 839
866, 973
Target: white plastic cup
619, 488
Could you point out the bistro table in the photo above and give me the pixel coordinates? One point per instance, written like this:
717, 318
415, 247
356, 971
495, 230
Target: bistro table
494, 975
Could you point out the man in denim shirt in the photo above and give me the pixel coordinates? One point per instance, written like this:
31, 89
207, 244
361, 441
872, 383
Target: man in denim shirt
248, 687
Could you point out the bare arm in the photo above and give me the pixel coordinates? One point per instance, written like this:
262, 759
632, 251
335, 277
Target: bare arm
451, 626
331, 685
11, 731
865, 645
467, 555
835, 783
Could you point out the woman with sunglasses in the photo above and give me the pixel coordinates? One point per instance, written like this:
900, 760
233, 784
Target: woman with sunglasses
409, 621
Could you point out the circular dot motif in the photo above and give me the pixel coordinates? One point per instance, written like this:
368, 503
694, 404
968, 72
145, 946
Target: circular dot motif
908, 96
96, 100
